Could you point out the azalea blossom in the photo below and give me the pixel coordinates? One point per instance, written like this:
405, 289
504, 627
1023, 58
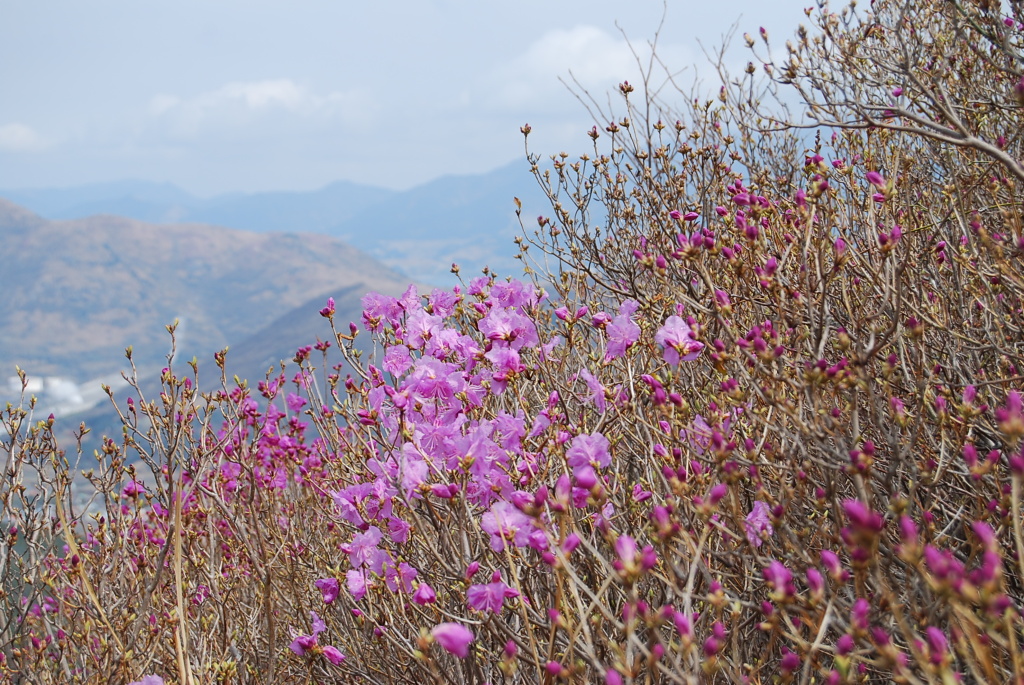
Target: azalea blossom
597, 390
424, 594
758, 521
491, 596
622, 331
453, 637
303, 643
510, 326
589, 450
677, 339
505, 522
133, 489
329, 587
397, 360
332, 654
356, 582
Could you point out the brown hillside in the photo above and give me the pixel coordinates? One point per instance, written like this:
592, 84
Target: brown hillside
76, 293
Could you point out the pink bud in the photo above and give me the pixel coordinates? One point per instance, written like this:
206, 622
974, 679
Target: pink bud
717, 493
937, 644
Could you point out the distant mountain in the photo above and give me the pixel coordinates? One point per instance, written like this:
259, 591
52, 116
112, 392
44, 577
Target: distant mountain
313, 212
470, 220
419, 232
102, 198
76, 293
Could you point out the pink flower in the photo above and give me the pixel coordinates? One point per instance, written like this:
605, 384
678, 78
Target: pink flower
589, 450
453, 637
378, 309
937, 644
596, 395
862, 517
333, 655
400, 577
758, 521
1011, 415
490, 597
329, 587
397, 360
303, 643
859, 614
699, 434
626, 549
355, 580
421, 327
510, 326
504, 522
149, 680
364, 551
622, 331
424, 594
676, 337
790, 661
505, 362
133, 489
780, 579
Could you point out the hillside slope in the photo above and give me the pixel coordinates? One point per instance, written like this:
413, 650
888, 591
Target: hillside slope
76, 293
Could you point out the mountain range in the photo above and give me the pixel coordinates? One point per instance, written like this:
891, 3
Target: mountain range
78, 292
470, 220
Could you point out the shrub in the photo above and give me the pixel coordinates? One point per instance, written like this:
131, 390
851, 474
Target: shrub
755, 417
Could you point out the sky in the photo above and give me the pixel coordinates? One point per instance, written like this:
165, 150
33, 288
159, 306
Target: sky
254, 95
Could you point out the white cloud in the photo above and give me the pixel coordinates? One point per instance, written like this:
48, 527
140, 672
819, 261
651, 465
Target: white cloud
596, 59
163, 102
17, 137
261, 94
240, 103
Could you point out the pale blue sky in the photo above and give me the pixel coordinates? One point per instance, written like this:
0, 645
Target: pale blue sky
249, 95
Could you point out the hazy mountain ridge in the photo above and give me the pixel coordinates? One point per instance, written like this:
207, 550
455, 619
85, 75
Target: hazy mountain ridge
419, 232
311, 212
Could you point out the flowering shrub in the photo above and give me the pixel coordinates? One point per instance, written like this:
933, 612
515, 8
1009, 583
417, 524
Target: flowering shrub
763, 423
